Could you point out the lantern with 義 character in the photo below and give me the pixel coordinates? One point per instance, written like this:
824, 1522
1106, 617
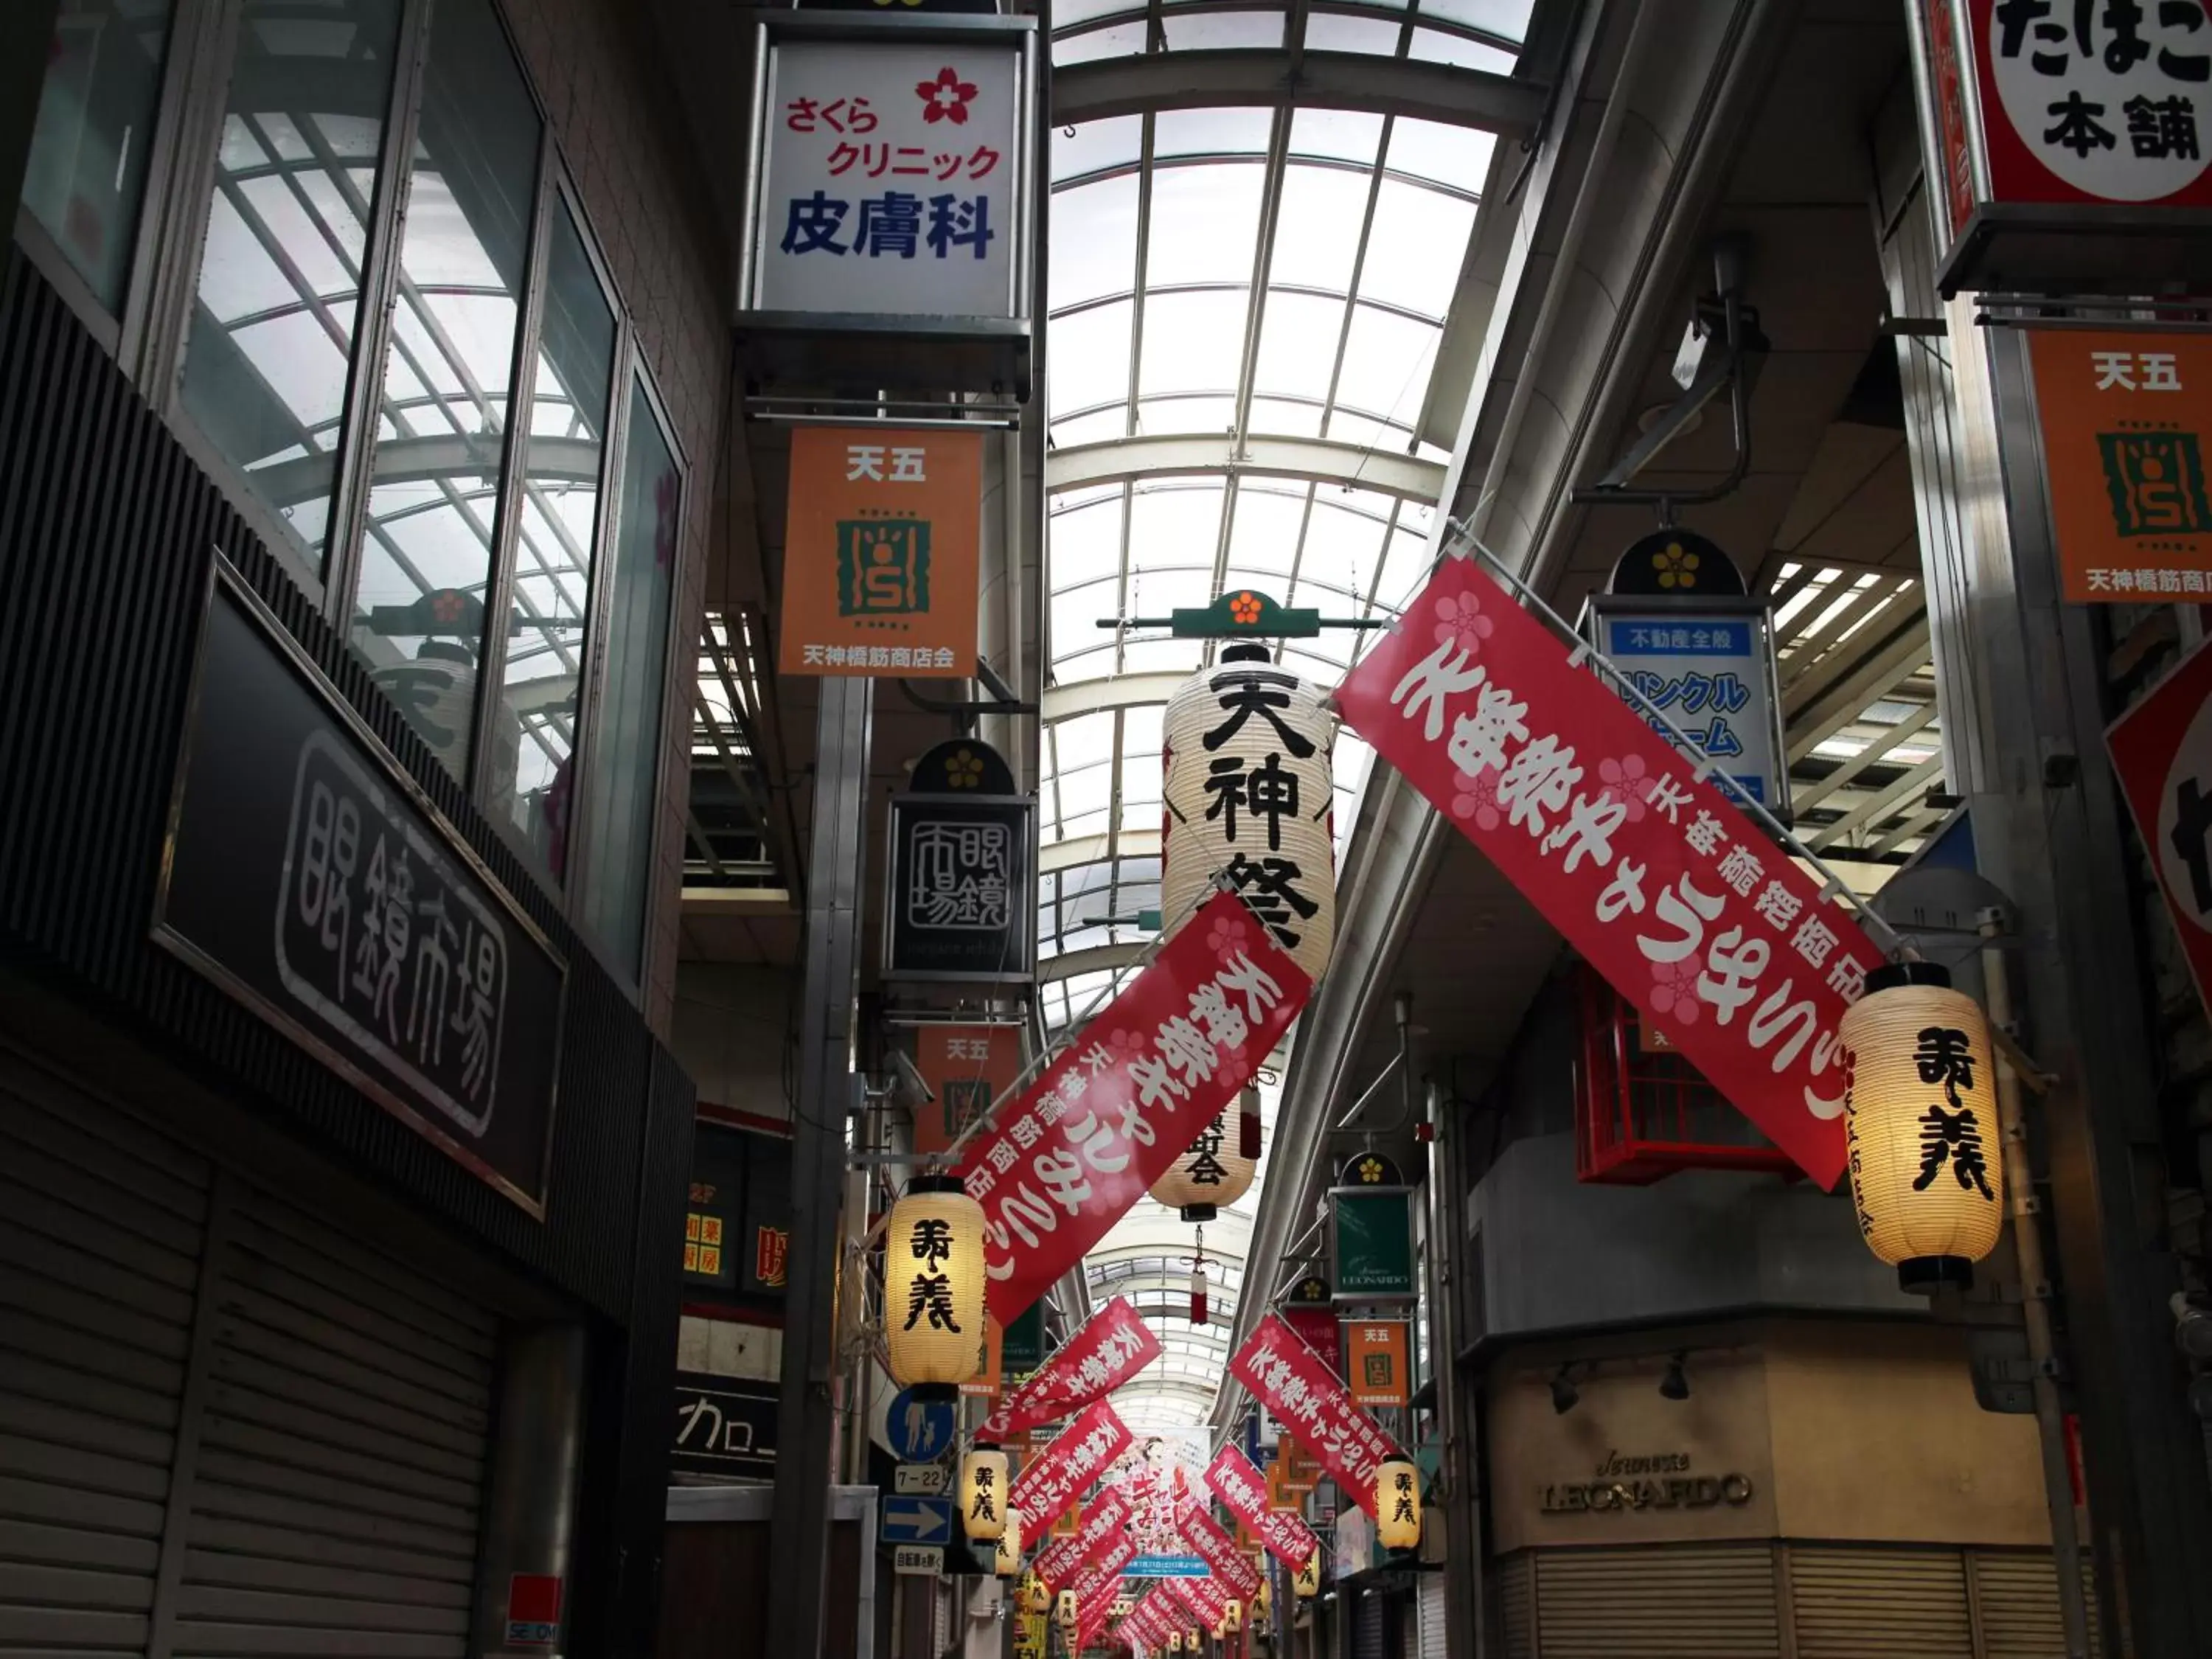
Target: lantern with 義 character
933, 1286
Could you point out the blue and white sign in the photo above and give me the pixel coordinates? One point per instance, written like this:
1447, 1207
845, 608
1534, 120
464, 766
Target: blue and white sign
919, 1431
1167, 1567
1712, 672
916, 1521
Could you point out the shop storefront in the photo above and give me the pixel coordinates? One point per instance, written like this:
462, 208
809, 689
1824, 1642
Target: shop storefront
336, 1175
1799, 1487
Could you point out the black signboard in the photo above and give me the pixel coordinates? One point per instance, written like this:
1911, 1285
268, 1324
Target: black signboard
961, 901
306, 874
724, 1425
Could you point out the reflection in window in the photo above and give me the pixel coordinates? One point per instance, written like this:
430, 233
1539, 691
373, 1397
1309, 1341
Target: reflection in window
280, 278
553, 553
433, 488
626, 763
87, 170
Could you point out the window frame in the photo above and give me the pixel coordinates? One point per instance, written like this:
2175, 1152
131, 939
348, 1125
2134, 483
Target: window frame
149, 336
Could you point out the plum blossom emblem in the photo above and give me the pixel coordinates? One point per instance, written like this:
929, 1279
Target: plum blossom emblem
1674, 990
1625, 780
1476, 798
1227, 934
1459, 622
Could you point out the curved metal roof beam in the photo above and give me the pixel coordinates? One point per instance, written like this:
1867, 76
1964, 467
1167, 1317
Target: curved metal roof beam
1269, 78
1319, 460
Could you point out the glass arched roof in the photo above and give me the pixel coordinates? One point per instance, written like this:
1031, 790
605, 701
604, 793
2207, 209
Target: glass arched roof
1271, 285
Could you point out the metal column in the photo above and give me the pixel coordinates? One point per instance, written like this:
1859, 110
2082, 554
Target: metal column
798, 1546
1447, 1195
530, 1504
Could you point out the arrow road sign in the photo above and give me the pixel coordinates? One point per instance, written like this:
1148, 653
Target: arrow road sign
916, 1520
919, 1430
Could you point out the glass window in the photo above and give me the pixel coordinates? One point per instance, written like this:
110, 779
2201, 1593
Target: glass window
87, 170
426, 559
273, 330
560, 510
626, 761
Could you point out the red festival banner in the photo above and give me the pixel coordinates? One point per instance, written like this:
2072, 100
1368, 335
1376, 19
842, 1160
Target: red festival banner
1091, 1616
1064, 1559
1288, 1539
1207, 1601
1152, 1621
1066, 1158
1721, 941
1288, 1379
1218, 1550
1112, 1346
1094, 1583
1059, 1474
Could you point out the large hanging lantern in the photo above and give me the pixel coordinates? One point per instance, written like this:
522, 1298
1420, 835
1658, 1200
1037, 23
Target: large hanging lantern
1232, 1616
1927, 1153
1065, 1609
1035, 1598
983, 1493
1213, 1174
933, 1286
1397, 1504
1307, 1582
1006, 1560
1248, 791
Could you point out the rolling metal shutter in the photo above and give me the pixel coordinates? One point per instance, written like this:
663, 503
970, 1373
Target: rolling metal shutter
1431, 1604
1370, 1624
1698, 1602
335, 1504
1515, 1586
2016, 1600
102, 1226
1876, 1603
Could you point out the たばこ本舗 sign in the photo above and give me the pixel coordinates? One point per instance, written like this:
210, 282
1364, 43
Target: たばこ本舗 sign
1661, 883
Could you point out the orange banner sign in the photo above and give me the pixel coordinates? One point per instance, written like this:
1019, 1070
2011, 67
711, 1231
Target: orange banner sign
965, 1067
1375, 1362
987, 1382
2125, 417
879, 558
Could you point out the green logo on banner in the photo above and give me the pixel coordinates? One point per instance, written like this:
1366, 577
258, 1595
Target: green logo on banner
882, 567
2156, 481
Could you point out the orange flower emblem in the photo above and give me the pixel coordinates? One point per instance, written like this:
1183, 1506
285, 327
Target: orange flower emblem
1244, 609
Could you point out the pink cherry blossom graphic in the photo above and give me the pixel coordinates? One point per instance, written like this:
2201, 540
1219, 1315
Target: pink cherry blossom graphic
1674, 990
1477, 799
1227, 934
947, 98
1125, 1046
1459, 622
1625, 780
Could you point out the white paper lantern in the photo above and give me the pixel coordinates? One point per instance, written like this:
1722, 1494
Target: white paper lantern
1397, 1504
1921, 1126
1007, 1560
1175, 1641
983, 1493
933, 1287
1248, 790
1035, 1598
1232, 1618
1307, 1582
1212, 1173
1066, 1609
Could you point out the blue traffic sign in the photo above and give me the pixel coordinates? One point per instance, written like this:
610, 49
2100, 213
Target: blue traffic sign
920, 1430
916, 1520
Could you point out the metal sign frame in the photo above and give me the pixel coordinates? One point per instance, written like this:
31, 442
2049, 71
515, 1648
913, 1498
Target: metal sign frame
1016, 967
879, 350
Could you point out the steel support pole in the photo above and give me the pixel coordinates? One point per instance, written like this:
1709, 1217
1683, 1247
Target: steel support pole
1447, 1240
798, 1541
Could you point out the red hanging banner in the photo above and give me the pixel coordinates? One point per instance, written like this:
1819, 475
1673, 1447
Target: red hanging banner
1112, 1346
1667, 890
1152, 1621
1066, 1158
1290, 1380
1059, 1474
1101, 1520
1091, 1617
1207, 1601
1288, 1539
2162, 750
1217, 1549
1096, 1579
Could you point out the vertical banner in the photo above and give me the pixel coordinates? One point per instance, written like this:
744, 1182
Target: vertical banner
1691, 912
1068, 1158
1059, 1474
1288, 1539
1378, 1370
2161, 750
1288, 1377
880, 551
966, 1067
1111, 1348
2125, 417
